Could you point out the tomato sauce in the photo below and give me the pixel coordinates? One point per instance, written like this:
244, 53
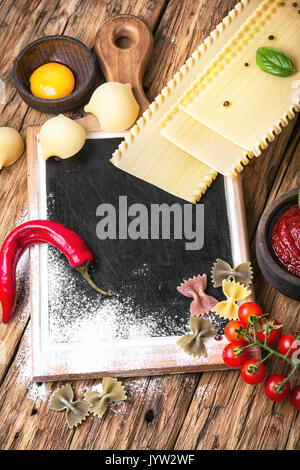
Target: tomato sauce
286, 239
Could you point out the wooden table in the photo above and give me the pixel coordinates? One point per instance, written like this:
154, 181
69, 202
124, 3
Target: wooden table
193, 411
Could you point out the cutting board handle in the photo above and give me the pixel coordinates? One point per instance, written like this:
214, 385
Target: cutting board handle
123, 46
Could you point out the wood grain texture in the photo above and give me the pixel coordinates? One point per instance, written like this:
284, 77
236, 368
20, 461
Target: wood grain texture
209, 411
67, 51
281, 279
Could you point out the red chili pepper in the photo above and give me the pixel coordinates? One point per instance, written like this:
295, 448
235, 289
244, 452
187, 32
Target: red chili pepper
32, 233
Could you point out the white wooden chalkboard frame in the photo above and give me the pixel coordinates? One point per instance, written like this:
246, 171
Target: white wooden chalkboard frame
53, 361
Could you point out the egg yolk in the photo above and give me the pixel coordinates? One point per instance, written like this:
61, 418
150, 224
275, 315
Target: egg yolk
52, 81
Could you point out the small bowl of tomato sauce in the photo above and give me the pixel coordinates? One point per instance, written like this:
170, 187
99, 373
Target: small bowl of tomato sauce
278, 244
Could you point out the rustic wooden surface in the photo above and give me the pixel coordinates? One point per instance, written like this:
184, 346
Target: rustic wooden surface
194, 411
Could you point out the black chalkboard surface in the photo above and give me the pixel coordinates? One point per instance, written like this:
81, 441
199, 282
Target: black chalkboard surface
144, 272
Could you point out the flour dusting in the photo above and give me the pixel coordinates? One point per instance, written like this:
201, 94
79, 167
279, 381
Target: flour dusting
77, 315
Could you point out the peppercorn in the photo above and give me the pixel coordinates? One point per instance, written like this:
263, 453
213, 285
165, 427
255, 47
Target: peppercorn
246, 64
271, 37
226, 103
218, 337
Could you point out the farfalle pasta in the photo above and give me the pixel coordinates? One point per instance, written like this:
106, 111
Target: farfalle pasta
194, 288
111, 390
76, 411
192, 343
222, 270
233, 291
114, 105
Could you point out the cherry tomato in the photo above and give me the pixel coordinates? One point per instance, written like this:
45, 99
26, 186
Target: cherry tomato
232, 356
272, 389
252, 373
249, 309
286, 342
295, 397
273, 335
231, 333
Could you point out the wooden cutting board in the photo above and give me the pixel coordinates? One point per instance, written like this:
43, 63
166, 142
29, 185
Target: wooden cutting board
78, 333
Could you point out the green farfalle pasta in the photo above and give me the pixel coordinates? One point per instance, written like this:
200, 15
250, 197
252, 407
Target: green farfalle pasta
111, 390
222, 270
76, 411
192, 343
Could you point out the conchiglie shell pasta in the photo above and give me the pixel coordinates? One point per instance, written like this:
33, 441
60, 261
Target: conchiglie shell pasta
114, 106
61, 137
11, 146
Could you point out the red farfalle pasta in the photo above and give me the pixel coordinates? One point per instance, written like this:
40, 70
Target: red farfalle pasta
195, 287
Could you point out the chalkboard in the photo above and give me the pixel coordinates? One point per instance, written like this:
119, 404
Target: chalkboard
144, 241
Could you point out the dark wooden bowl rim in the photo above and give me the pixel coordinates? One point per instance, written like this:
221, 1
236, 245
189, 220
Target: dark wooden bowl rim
57, 100
269, 217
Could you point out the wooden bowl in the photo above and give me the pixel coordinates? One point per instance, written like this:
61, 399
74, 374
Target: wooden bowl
64, 50
282, 280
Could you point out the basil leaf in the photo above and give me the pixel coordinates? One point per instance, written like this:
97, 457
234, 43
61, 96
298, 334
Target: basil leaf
275, 62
